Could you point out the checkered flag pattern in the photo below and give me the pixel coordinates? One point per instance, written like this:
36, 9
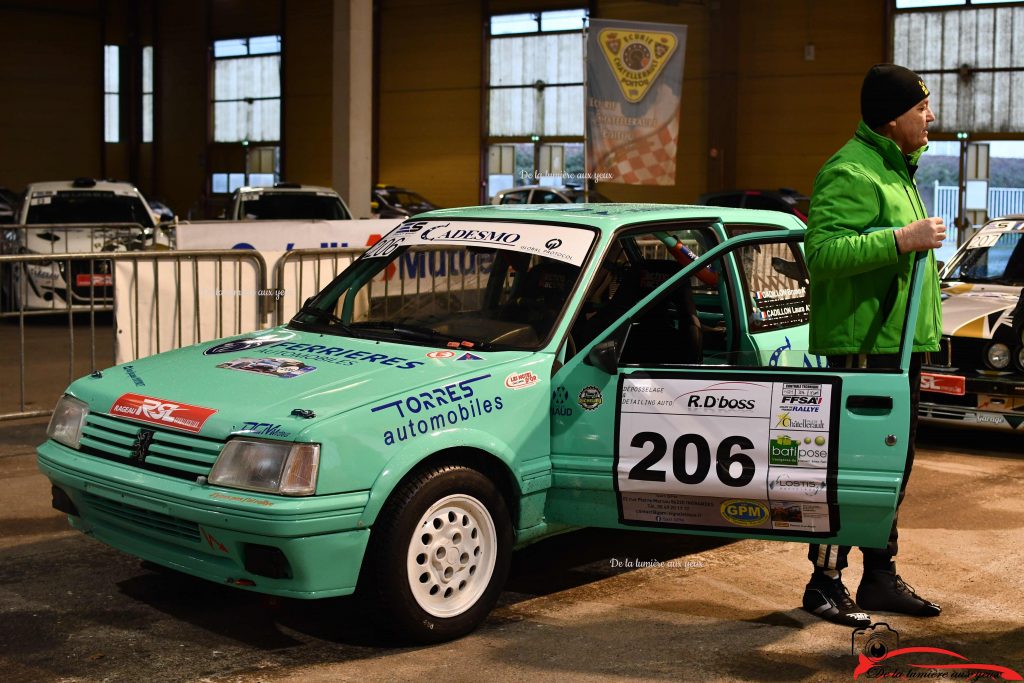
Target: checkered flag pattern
649, 160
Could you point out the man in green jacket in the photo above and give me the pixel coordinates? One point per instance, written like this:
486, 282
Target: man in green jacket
859, 288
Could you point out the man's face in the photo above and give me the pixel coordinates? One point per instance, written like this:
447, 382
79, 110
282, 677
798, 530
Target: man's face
910, 129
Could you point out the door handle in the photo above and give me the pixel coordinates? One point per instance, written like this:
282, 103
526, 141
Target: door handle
869, 404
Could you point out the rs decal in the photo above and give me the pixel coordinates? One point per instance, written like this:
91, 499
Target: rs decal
161, 412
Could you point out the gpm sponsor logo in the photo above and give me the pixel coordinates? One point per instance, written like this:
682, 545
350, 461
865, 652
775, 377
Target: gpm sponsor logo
745, 512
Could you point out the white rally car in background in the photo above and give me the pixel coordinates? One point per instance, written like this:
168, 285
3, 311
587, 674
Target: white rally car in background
977, 378
72, 217
287, 201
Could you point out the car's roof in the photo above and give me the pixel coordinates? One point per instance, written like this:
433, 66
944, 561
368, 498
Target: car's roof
609, 217
77, 185
289, 188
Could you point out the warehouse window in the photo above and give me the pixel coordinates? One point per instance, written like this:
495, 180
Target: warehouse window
972, 59
246, 113
111, 94
247, 89
147, 93
535, 95
917, 4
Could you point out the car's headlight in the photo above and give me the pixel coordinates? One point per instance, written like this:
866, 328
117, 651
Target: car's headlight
270, 466
997, 356
67, 421
1020, 357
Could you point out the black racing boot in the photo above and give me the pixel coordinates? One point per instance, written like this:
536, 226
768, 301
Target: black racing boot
829, 599
883, 590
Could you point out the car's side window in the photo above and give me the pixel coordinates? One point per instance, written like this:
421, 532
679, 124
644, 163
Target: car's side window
636, 265
748, 308
775, 283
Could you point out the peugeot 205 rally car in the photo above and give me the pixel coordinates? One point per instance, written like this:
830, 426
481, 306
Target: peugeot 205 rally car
977, 377
479, 379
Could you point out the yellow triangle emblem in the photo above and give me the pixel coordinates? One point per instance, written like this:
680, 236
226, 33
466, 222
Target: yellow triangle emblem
636, 58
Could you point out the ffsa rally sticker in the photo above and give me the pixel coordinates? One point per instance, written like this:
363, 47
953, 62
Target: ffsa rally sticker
726, 454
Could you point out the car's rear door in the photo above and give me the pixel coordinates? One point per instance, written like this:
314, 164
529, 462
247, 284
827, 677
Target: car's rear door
783, 452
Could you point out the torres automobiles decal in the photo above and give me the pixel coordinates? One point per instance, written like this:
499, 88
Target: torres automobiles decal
162, 412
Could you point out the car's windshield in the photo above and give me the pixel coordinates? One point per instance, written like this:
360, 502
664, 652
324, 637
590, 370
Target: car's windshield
87, 206
405, 199
292, 205
455, 285
994, 255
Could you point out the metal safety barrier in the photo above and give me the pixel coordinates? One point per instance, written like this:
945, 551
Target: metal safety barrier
148, 302
167, 299
301, 273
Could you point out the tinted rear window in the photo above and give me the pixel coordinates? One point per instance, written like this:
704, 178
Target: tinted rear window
283, 206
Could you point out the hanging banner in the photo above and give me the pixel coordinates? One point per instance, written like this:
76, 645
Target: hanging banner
634, 86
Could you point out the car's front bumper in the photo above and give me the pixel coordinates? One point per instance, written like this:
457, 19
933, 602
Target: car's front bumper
215, 533
988, 401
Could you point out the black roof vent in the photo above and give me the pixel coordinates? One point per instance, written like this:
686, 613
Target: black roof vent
83, 182
288, 186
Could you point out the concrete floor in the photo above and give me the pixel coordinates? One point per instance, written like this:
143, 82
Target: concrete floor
73, 610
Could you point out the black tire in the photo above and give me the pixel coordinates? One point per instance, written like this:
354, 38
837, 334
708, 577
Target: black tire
439, 555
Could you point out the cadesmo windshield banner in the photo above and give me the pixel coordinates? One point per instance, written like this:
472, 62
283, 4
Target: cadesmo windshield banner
634, 83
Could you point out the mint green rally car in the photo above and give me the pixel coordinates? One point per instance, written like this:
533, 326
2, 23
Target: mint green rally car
479, 379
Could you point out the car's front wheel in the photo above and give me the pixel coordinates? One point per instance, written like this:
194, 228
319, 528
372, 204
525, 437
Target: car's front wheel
439, 554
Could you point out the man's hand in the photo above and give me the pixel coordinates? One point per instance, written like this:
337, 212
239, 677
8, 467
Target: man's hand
922, 235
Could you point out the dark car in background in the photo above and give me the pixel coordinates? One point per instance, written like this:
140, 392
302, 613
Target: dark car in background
9, 202
389, 201
784, 199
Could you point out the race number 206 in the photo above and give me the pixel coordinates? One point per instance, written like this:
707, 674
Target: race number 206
691, 459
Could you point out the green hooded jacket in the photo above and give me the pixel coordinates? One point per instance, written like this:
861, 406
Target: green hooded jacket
859, 284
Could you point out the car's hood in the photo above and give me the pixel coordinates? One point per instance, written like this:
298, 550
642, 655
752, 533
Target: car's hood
282, 377
974, 310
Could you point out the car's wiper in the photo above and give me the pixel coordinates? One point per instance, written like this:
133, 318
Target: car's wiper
326, 316
424, 334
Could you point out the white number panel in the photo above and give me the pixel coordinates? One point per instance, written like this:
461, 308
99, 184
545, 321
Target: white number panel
723, 453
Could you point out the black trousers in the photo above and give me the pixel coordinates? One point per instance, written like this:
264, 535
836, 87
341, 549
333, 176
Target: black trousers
828, 558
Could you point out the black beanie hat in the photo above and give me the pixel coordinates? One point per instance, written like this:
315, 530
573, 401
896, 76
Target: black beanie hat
889, 90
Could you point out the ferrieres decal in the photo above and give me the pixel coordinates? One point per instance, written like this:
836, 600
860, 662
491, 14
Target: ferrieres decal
436, 408
726, 454
563, 243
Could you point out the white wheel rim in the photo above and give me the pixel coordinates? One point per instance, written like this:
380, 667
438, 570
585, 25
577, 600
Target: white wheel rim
452, 555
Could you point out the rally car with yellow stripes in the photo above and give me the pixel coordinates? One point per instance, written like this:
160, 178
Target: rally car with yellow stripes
977, 377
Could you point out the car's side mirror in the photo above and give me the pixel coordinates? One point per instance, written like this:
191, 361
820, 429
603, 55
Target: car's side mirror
605, 356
